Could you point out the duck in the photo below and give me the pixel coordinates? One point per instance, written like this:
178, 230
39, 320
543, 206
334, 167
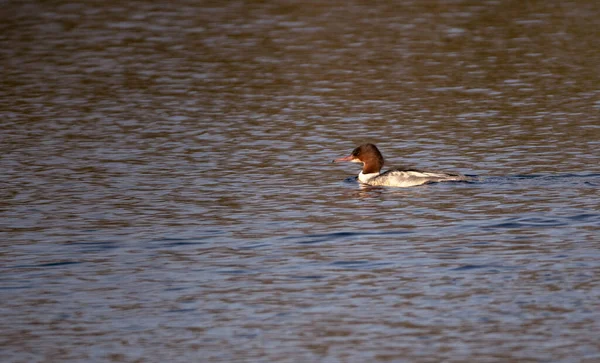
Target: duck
371, 174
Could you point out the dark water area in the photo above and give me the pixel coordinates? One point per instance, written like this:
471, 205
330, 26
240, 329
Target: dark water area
167, 192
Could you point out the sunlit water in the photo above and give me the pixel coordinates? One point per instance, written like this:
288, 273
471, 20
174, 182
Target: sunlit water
168, 193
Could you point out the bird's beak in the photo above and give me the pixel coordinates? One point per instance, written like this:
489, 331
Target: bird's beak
347, 158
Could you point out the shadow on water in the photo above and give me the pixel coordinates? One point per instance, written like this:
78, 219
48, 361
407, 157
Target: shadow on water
331, 237
525, 187
592, 179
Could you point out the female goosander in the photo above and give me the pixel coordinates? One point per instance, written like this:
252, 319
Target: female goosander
372, 161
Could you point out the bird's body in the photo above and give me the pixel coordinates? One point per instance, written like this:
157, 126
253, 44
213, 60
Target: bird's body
371, 174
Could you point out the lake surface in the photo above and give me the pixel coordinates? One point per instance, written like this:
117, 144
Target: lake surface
167, 192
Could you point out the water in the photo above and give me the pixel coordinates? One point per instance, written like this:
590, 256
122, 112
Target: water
167, 191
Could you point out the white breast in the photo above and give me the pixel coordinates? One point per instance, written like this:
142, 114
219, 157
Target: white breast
364, 178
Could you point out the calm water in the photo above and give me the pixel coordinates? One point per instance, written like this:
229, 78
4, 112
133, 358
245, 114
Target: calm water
167, 192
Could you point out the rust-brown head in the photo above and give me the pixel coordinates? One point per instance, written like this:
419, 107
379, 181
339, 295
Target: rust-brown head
369, 155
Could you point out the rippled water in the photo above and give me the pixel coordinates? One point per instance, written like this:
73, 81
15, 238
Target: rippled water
167, 191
